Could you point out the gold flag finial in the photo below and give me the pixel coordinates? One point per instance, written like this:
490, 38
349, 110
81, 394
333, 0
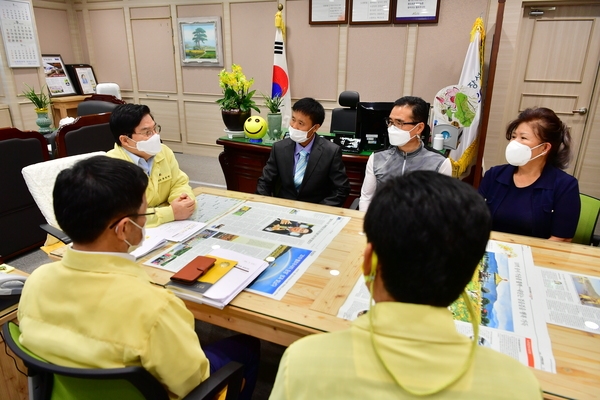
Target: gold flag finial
279, 20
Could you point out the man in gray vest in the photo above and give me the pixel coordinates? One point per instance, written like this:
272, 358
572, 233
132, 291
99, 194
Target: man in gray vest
406, 122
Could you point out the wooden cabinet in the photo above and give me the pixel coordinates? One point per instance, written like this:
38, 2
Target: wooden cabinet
243, 162
65, 107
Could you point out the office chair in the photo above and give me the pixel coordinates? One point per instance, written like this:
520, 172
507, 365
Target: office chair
588, 217
343, 120
40, 179
97, 104
48, 380
109, 88
86, 134
91, 107
19, 214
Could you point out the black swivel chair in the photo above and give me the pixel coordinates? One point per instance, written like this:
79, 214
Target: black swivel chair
343, 120
98, 104
20, 217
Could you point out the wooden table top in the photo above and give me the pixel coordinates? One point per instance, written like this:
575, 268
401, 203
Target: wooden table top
312, 304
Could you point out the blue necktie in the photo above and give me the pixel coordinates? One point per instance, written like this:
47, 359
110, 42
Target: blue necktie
300, 169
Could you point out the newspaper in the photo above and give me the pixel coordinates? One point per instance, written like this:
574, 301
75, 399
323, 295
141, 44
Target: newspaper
571, 300
289, 239
501, 294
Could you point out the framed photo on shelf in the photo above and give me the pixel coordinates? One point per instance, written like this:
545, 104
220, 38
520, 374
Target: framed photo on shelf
416, 12
84, 78
201, 41
370, 12
57, 79
323, 12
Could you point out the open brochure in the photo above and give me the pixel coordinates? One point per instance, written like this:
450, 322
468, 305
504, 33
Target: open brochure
511, 318
175, 231
227, 287
208, 207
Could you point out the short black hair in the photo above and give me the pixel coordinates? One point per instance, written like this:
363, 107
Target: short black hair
125, 118
420, 111
94, 192
419, 107
311, 108
429, 232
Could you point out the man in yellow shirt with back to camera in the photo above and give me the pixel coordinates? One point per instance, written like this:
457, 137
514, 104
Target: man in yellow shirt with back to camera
426, 233
97, 307
137, 139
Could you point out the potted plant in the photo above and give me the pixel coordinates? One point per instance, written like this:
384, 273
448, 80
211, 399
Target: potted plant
41, 101
273, 103
236, 104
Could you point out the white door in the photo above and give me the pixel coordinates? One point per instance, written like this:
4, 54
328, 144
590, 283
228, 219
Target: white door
559, 55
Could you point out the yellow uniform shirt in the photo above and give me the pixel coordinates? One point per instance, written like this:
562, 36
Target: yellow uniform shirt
99, 310
421, 347
165, 183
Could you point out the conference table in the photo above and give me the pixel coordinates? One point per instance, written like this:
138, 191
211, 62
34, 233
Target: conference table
313, 302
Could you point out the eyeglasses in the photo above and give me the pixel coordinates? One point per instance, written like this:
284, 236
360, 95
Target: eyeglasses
130, 216
389, 122
149, 132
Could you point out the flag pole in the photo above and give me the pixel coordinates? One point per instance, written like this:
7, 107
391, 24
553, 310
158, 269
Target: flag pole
488, 92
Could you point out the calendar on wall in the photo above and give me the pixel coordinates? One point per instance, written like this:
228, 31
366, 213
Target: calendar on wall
18, 34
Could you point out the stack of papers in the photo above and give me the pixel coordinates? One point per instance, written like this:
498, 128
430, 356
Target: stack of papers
226, 288
176, 231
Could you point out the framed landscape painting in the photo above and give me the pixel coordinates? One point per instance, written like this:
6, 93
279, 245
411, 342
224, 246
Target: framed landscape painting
201, 41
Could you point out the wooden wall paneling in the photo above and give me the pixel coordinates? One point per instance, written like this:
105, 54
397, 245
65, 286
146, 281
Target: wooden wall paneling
442, 47
149, 12
153, 51
83, 40
198, 80
28, 117
312, 52
376, 66
54, 33
203, 122
110, 50
255, 52
166, 114
5, 119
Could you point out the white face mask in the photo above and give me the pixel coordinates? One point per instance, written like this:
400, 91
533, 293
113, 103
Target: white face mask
132, 247
519, 154
151, 146
299, 136
399, 137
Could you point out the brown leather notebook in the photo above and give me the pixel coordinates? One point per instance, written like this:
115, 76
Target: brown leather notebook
193, 270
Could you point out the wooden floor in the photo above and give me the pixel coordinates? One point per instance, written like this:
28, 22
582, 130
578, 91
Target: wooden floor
13, 384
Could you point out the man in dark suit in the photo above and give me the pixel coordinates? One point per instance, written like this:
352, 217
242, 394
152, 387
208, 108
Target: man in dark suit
305, 166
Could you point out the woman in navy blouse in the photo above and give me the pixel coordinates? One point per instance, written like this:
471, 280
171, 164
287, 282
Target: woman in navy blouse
532, 195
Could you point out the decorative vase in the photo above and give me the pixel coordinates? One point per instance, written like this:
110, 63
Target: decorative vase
234, 119
43, 121
274, 126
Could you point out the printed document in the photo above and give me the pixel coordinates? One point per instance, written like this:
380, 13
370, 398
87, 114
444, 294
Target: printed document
571, 300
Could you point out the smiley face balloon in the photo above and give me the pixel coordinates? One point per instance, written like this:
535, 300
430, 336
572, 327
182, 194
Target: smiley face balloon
255, 128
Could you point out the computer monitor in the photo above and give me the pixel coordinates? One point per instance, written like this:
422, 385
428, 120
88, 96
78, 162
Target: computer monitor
371, 126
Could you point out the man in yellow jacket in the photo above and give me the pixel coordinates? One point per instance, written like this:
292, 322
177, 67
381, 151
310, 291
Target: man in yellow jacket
137, 139
426, 233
